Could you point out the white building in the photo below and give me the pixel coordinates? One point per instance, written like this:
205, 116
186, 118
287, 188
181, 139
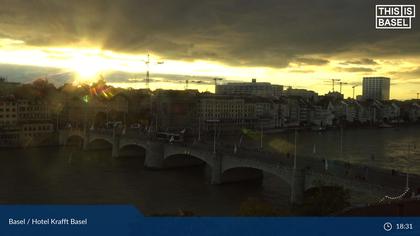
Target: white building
254, 88
233, 113
376, 88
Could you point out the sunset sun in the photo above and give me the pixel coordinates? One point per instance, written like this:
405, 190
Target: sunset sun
86, 65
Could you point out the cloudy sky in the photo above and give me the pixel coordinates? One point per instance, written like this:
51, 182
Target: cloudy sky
302, 44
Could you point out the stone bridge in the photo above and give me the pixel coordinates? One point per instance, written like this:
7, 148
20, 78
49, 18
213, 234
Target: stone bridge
226, 166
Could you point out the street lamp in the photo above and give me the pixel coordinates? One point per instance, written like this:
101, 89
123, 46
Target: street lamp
262, 130
214, 133
295, 152
341, 140
408, 166
292, 199
199, 128
261, 138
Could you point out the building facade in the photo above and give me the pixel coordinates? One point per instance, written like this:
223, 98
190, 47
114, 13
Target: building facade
308, 95
25, 123
254, 88
233, 113
376, 88
8, 112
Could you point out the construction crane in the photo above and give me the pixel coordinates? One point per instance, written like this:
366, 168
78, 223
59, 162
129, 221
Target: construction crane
341, 85
215, 83
353, 87
333, 83
147, 62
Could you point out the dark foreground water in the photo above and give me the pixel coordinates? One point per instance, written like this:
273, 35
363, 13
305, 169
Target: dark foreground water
53, 175
71, 176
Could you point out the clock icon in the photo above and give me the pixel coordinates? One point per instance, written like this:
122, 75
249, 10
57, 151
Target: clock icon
387, 226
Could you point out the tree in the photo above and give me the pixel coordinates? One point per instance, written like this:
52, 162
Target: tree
324, 200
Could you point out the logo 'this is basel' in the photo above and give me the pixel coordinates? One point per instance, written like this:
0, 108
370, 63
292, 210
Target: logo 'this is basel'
394, 16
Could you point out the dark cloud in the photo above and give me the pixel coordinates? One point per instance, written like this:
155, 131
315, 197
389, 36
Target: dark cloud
413, 73
237, 32
26, 74
355, 69
310, 61
363, 61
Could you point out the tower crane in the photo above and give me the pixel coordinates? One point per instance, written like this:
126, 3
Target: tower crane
353, 87
341, 85
147, 62
333, 83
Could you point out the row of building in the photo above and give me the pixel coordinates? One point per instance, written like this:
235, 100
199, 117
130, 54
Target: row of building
233, 107
374, 88
24, 122
257, 105
233, 112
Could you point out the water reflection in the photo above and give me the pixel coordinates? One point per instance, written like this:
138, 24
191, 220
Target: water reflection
386, 148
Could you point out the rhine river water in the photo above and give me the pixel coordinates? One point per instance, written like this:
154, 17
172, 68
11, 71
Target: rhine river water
54, 175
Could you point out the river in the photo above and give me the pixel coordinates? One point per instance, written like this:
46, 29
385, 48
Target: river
55, 175
389, 148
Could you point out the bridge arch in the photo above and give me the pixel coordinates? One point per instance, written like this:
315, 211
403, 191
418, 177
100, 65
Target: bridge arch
188, 153
183, 160
233, 163
237, 174
270, 175
101, 142
132, 149
132, 144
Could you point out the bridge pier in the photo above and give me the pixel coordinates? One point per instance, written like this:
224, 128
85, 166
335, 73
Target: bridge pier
86, 141
297, 187
62, 138
154, 155
216, 169
115, 145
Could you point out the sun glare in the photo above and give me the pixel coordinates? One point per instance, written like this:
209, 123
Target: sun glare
87, 65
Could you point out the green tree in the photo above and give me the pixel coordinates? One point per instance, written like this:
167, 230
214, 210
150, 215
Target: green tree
324, 200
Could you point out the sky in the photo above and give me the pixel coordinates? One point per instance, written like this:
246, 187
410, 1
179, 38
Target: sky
303, 44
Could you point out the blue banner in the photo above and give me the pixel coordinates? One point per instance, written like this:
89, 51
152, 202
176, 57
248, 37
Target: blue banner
127, 220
